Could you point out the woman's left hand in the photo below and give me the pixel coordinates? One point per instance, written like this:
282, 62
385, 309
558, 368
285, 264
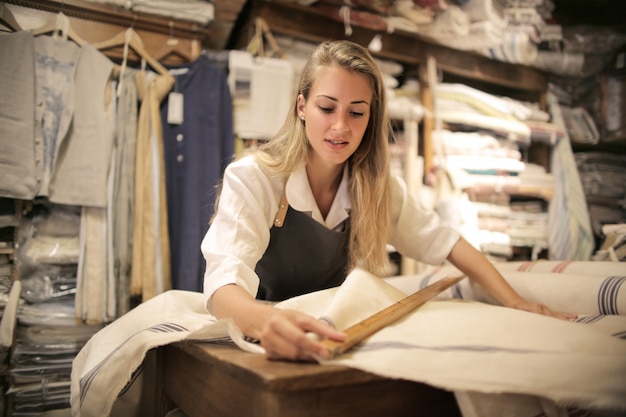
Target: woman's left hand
542, 309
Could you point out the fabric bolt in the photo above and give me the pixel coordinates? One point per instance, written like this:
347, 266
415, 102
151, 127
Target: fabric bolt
474, 143
46, 249
576, 267
80, 177
483, 102
401, 23
151, 271
122, 206
195, 154
485, 10
21, 162
202, 12
517, 47
482, 34
477, 164
199, 11
248, 204
545, 132
561, 63
449, 22
515, 129
571, 236
412, 13
581, 287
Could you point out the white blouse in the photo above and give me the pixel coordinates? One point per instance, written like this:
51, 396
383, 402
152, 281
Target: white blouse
240, 232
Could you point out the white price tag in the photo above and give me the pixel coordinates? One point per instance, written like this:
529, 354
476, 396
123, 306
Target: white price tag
175, 108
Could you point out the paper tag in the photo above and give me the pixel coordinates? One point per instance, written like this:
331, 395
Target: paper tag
175, 108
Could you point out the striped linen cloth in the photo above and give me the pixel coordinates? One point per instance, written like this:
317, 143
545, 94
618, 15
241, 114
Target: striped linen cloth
518, 363
485, 352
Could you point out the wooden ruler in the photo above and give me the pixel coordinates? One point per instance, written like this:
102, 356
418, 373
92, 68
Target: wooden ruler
367, 327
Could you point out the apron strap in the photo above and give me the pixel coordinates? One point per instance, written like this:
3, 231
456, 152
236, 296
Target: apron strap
279, 219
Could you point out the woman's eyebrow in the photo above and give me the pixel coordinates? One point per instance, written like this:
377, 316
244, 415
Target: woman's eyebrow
334, 99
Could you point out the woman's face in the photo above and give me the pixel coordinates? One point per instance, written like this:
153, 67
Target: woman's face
336, 113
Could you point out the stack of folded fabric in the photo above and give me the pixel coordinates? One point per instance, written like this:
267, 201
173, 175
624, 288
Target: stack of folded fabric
47, 334
485, 144
604, 183
200, 11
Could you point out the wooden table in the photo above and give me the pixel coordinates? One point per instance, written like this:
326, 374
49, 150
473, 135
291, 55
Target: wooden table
219, 379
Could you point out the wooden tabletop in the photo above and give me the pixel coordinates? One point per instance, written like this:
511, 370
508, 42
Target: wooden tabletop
219, 379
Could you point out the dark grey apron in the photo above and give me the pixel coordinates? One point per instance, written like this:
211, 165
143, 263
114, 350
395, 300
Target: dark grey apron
303, 256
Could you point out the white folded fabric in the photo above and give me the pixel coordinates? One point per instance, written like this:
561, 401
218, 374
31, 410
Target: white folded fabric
484, 10
571, 267
191, 10
457, 345
516, 129
581, 287
473, 346
107, 362
517, 47
451, 21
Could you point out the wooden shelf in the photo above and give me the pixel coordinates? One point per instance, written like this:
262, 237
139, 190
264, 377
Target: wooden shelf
405, 47
615, 143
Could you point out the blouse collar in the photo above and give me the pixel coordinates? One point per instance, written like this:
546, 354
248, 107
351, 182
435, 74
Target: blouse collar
300, 198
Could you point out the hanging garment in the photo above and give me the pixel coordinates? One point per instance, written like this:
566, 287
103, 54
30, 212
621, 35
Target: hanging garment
122, 206
54, 129
151, 271
91, 283
196, 152
80, 174
96, 284
252, 80
21, 164
55, 67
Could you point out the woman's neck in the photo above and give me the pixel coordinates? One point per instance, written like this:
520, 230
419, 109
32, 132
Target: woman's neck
324, 182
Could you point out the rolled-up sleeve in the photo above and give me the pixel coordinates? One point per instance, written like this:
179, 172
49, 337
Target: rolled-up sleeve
240, 231
416, 232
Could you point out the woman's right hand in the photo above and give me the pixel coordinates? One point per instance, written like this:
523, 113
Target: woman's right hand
289, 334
284, 334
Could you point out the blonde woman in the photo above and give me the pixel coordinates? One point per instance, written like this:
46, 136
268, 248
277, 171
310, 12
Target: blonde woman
318, 199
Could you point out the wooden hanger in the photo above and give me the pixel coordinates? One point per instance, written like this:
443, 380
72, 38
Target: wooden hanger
256, 46
131, 39
59, 24
7, 18
174, 47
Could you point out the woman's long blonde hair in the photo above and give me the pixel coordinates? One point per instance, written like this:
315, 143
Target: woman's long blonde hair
369, 165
